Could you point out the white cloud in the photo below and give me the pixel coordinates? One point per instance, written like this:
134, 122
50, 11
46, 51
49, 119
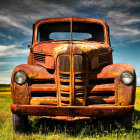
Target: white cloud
7, 21
5, 77
124, 31
120, 24
12, 50
5, 36
138, 81
135, 40
132, 20
4, 63
31, 11
110, 3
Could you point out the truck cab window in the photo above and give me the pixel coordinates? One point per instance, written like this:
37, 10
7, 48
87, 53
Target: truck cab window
80, 31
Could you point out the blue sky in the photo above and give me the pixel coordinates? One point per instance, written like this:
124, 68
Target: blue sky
17, 17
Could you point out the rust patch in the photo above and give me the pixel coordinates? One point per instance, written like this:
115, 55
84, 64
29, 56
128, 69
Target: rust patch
87, 48
61, 48
33, 75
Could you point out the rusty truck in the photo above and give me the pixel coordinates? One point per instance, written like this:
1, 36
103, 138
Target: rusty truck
70, 74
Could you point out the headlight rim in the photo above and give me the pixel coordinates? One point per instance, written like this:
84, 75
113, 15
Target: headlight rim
25, 75
122, 78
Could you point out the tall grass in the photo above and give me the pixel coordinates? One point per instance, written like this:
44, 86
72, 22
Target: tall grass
57, 130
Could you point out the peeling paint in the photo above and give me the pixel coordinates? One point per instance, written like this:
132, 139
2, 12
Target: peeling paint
87, 48
33, 75
61, 48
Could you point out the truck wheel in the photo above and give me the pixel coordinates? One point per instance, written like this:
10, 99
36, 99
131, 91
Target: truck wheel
126, 122
20, 123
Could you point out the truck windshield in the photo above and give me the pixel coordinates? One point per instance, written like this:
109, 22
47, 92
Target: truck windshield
80, 31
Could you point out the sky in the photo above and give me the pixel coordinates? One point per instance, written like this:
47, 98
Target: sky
18, 16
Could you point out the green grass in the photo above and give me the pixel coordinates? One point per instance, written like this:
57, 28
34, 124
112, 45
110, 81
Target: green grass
57, 130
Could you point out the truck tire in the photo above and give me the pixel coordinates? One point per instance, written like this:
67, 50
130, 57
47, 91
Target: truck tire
20, 123
126, 122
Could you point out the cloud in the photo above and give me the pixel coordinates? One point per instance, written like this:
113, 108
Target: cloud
5, 63
8, 22
5, 36
110, 4
138, 81
120, 24
25, 13
132, 20
135, 40
12, 50
5, 77
22, 14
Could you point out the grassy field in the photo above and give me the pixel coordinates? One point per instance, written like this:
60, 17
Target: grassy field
138, 90
56, 130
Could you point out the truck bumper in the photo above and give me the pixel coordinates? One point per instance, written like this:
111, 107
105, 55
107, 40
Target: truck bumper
72, 111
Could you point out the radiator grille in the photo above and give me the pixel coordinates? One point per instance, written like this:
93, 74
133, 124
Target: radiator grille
64, 63
79, 63
64, 95
64, 76
39, 57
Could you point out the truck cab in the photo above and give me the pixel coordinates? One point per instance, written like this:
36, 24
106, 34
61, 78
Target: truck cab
70, 74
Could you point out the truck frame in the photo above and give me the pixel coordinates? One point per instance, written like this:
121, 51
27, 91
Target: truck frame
70, 74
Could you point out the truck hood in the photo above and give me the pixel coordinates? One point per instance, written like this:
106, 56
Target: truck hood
56, 49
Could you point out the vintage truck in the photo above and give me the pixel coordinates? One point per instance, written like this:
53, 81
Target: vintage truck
70, 74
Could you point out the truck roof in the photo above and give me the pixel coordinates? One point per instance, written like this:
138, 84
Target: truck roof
70, 19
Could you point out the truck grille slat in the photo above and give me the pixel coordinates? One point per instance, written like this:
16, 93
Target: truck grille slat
43, 92
101, 91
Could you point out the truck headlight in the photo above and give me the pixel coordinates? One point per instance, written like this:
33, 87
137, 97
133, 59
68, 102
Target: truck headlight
127, 77
20, 77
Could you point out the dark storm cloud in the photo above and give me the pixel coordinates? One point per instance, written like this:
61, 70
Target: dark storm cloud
121, 14
21, 14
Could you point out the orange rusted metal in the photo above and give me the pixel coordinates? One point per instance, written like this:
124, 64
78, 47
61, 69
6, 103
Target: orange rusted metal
91, 111
43, 87
71, 78
103, 87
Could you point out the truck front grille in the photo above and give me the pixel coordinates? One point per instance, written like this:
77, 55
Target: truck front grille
65, 97
101, 91
64, 63
43, 92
